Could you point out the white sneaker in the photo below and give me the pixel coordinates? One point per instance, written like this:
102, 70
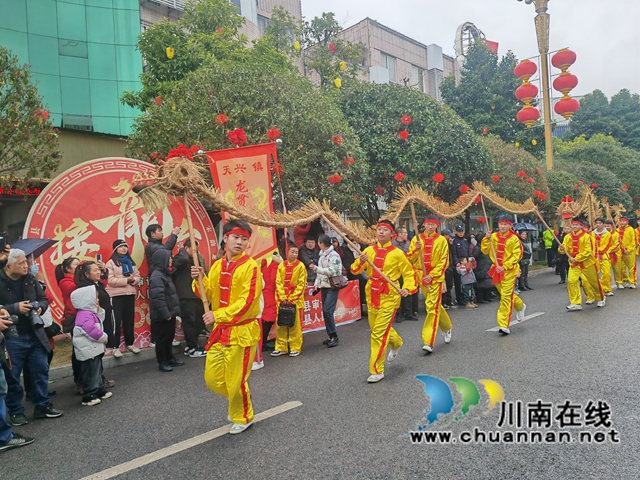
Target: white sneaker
447, 337
133, 349
257, 366
92, 402
175, 343
589, 302
620, 287
520, 313
375, 378
504, 331
602, 302
294, 353
152, 345
117, 353
277, 353
608, 294
239, 427
632, 285
427, 348
107, 395
626, 284
574, 307
392, 354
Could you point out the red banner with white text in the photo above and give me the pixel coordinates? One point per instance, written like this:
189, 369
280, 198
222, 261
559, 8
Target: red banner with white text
243, 175
348, 308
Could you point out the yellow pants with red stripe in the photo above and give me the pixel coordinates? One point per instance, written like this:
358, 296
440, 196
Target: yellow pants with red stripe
617, 270
590, 282
628, 268
292, 335
383, 335
508, 300
436, 314
605, 275
226, 372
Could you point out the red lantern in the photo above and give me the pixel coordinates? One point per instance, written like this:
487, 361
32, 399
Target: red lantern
273, 134
481, 219
464, 189
525, 69
335, 178
526, 92
564, 59
528, 115
625, 187
565, 83
438, 177
349, 161
530, 180
594, 185
522, 174
536, 193
542, 197
439, 199
485, 130
398, 177
406, 120
567, 106
379, 190
496, 179
337, 139
403, 134
477, 200
576, 186
332, 47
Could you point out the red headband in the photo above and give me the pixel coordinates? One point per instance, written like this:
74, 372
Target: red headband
575, 220
239, 231
505, 221
432, 220
624, 218
386, 225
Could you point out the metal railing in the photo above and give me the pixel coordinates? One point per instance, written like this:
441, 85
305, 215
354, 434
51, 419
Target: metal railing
175, 4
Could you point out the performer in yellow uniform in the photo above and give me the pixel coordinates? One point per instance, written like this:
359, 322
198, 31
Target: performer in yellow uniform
582, 264
234, 288
505, 254
603, 246
291, 281
435, 253
628, 247
615, 254
382, 299
589, 292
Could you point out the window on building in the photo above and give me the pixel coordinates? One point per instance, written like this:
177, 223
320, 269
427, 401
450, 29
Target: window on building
237, 4
417, 78
389, 62
263, 23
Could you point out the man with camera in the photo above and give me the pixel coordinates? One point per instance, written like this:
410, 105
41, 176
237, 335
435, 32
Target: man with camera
26, 340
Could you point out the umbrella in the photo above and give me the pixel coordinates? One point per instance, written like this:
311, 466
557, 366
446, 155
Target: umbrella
35, 246
523, 226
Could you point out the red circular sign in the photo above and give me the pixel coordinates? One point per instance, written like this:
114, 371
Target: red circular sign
92, 204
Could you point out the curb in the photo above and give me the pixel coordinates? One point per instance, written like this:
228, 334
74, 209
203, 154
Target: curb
535, 273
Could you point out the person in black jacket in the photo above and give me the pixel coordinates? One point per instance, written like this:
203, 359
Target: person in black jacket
460, 248
309, 254
191, 308
164, 307
28, 343
154, 242
523, 281
484, 283
449, 297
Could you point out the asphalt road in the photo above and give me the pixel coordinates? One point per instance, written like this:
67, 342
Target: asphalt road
346, 428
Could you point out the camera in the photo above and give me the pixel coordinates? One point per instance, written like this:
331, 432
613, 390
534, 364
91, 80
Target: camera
36, 321
12, 330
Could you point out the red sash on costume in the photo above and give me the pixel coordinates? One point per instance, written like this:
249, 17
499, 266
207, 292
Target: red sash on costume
598, 252
502, 242
427, 243
622, 248
575, 248
288, 274
379, 285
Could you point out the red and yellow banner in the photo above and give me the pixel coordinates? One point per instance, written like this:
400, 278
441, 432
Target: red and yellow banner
348, 308
243, 175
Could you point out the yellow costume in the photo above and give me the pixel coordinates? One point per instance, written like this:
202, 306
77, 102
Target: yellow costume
508, 249
589, 292
603, 246
435, 249
615, 257
234, 290
579, 246
382, 299
291, 281
628, 265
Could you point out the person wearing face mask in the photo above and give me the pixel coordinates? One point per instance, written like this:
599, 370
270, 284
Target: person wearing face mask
506, 254
121, 286
89, 339
164, 306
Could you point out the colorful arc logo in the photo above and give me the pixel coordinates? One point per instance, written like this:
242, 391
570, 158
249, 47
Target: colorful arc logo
441, 396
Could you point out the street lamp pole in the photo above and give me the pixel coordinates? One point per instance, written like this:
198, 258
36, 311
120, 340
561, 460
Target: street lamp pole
542, 32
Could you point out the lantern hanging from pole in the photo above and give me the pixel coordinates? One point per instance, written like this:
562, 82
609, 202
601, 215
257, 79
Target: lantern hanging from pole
525, 70
528, 115
565, 83
567, 106
563, 59
526, 92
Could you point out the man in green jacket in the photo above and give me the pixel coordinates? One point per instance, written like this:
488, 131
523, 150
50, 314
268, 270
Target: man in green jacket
547, 238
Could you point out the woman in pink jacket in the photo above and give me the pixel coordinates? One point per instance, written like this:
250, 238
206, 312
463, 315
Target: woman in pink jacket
122, 284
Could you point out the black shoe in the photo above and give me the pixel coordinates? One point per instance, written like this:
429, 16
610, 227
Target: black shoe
333, 341
528, 288
399, 319
165, 367
47, 412
412, 318
561, 282
18, 419
17, 441
483, 301
175, 363
326, 342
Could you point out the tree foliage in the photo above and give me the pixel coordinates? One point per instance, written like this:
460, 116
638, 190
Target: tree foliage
619, 118
561, 183
258, 97
485, 98
28, 141
439, 142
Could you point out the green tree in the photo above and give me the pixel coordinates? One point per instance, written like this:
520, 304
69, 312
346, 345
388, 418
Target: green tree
207, 31
619, 118
28, 141
256, 96
439, 142
561, 183
485, 98
324, 53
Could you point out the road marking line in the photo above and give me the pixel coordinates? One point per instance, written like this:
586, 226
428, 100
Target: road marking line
528, 317
184, 445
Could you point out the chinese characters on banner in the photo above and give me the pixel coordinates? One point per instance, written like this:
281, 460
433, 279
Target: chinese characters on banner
347, 308
89, 206
243, 175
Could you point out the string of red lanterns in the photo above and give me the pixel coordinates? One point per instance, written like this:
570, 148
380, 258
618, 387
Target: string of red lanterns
564, 83
526, 92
